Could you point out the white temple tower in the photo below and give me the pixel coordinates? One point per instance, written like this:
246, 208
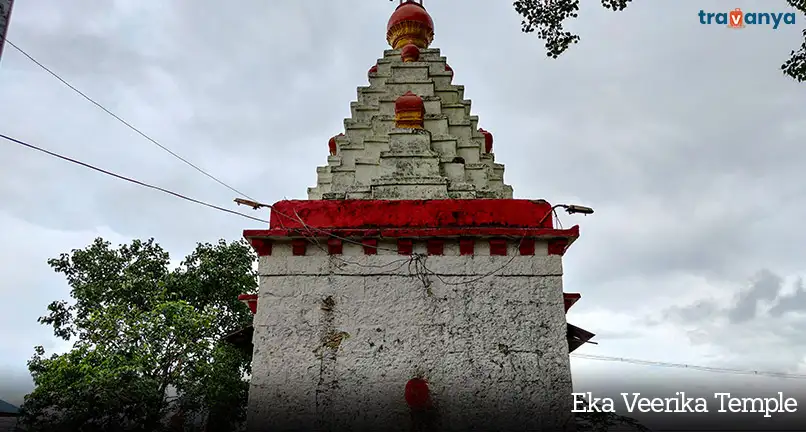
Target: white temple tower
410, 291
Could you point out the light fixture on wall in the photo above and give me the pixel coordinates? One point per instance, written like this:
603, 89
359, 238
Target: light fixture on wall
573, 209
569, 208
254, 204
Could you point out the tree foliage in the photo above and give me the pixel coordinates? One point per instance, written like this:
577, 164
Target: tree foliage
141, 331
546, 19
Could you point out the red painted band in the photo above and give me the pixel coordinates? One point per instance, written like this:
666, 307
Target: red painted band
502, 213
568, 235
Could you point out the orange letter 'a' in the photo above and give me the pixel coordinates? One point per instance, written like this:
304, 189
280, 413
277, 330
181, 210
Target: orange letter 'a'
736, 18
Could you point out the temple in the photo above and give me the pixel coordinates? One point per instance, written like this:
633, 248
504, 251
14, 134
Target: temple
410, 291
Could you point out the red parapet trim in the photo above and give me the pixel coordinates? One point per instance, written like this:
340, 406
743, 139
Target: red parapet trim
570, 299
567, 235
558, 246
262, 246
498, 247
467, 246
370, 246
343, 214
527, 246
335, 246
435, 246
250, 300
299, 246
405, 246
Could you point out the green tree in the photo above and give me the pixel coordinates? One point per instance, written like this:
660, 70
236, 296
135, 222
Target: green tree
141, 331
546, 18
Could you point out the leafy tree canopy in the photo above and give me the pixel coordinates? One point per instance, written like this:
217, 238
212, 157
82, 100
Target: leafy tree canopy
546, 18
141, 332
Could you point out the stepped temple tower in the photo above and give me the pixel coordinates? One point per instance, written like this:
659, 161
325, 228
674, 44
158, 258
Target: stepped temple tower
410, 291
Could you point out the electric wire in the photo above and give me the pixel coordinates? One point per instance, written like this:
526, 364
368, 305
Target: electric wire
121, 120
689, 366
128, 179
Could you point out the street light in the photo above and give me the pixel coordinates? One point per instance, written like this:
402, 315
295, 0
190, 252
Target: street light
254, 204
569, 208
573, 209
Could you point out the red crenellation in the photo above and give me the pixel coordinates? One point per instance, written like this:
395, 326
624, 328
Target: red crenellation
527, 246
467, 246
405, 246
335, 246
435, 246
370, 246
498, 246
261, 246
298, 246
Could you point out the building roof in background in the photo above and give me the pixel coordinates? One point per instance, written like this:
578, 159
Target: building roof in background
6, 409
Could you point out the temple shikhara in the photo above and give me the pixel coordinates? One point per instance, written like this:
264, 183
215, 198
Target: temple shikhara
410, 291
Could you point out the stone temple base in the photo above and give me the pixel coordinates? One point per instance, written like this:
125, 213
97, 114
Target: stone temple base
365, 296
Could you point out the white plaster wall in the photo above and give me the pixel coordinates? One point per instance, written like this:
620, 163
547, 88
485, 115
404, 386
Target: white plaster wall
493, 348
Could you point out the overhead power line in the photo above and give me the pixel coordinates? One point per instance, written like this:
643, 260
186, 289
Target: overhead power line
121, 120
690, 367
130, 180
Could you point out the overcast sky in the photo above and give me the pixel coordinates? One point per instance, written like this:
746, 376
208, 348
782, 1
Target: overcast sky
685, 138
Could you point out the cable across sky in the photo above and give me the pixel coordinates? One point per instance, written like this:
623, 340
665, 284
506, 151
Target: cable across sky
124, 122
689, 367
128, 179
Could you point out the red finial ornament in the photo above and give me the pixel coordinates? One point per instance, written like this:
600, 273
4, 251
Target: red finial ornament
409, 111
373, 69
331, 144
417, 394
410, 53
410, 23
488, 141
448, 69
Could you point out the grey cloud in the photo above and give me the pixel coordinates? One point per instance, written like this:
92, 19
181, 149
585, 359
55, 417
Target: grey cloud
766, 287
747, 304
791, 303
699, 311
616, 335
756, 321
